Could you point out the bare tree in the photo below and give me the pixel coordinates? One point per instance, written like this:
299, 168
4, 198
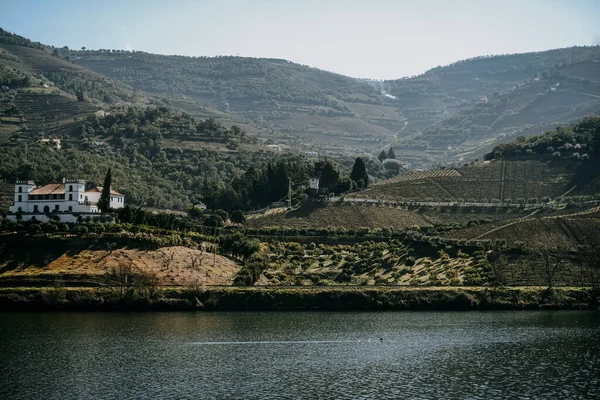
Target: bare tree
196, 261
550, 260
169, 257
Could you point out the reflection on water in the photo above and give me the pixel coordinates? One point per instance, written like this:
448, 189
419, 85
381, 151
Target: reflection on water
300, 355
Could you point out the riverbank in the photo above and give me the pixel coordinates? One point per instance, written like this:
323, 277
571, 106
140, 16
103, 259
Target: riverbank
295, 298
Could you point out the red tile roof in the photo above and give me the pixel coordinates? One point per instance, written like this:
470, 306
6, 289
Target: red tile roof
53, 188
98, 189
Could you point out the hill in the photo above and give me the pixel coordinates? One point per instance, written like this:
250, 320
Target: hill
465, 108
468, 105
448, 114
314, 108
487, 182
160, 157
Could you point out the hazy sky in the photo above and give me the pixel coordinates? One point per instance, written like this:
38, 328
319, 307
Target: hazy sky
381, 39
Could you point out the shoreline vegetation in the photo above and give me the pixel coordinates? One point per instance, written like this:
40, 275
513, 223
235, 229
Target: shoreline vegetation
349, 298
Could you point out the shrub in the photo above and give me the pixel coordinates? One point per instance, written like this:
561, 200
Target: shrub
556, 154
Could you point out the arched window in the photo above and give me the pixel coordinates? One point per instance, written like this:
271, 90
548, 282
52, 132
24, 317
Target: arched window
19, 209
20, 189
70, 208
46, 209
70, 188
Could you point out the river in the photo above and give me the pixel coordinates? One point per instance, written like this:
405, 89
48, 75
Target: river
296, 355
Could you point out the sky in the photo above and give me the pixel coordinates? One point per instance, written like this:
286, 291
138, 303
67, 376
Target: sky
379, 39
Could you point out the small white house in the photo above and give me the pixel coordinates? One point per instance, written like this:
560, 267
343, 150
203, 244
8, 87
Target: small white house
314, 183
274, 147
54, 143
67, 201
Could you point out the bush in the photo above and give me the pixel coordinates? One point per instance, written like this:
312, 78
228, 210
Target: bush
238, 217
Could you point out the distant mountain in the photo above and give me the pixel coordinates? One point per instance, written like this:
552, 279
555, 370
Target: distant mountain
422, 115
467, 107
449, 114
316, 109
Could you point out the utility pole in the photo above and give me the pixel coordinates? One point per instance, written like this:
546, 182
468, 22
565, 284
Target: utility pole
290, 193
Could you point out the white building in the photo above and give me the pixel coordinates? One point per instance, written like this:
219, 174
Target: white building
67, 200
314, 183
54, 143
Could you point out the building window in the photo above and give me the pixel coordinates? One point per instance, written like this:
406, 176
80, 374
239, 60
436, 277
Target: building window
70, 188
56, 207
46, 209
35, 208
19, 209
70, 197
70, 208
20, 198
20, 189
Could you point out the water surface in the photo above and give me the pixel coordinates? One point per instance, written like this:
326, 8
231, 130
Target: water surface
293, 355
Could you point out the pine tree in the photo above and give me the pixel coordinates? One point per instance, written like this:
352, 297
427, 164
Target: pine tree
391, 153
382, 156
104, 202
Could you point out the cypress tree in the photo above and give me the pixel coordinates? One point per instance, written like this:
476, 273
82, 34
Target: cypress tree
104, 202
329, 176
359, 172
391, 154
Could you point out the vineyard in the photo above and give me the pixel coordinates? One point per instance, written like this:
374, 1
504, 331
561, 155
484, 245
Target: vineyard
396, 263
346, 215
536, 231
50, 107
496, 181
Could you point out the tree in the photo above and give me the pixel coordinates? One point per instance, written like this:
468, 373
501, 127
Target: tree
80, 95
550, 261
104, 202
213, 221
391, 154
359, 172
382, 156
237, 217
329, 176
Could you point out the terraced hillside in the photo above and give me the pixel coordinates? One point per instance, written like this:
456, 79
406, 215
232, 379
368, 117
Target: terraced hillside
346, 215
7, 192
493, 182
541, 102
43, 92
568, 229
297, 102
